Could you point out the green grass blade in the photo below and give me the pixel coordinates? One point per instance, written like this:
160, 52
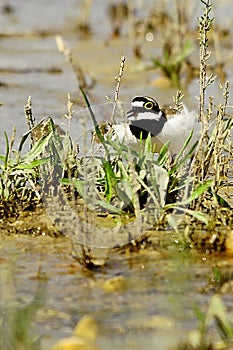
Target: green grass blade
3, 159
163, 153
198, 215
200, 190
33, 164
109, 207
79, 185
7, 150
221, 201
183, 160
110, 180
25, 136
97, 130
184, 146
37, 149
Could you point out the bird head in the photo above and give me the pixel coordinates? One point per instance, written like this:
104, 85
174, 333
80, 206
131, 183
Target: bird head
143, 104
145, 117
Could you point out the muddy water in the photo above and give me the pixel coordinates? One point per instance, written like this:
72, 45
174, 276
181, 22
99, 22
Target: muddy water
163, 285
30, 64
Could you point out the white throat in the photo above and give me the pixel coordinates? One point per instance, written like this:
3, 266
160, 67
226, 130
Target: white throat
146, 116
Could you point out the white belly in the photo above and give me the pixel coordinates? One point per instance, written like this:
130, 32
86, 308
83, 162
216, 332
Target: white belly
176, 130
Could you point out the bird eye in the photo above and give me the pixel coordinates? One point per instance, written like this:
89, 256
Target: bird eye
148, 105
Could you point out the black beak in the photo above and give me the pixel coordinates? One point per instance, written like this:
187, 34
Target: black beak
131, 113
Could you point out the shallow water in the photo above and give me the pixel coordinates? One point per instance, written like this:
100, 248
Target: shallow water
28, 60
163, 287
164, 283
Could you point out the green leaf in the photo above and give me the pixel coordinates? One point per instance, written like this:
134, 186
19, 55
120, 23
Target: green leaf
110, 180
194, 195
174, 222
183, 160
218, 312
65, 181
198, 215
37, 149
7, 150
200, 190
25, 136
125, 191
163, 153
97, 130
184, 146
186, 51
111, 208
148, 144
158, 63
33, 164
3, 158
217, 277
199, 314
79, 185
221, 201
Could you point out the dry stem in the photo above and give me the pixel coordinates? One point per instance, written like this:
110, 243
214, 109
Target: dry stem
66, 51
29, 116
118, 80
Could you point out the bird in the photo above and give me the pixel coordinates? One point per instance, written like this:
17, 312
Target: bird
146, 117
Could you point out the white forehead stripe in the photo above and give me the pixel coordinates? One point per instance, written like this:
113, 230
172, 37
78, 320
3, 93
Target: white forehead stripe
138, 104
147, 116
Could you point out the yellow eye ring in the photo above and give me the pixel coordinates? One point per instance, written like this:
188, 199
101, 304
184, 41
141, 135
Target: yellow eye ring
148, 105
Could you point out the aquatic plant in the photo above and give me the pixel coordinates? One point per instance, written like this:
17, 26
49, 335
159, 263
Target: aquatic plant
166, 21
199, 339
16, 331
19, 180
171, 63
